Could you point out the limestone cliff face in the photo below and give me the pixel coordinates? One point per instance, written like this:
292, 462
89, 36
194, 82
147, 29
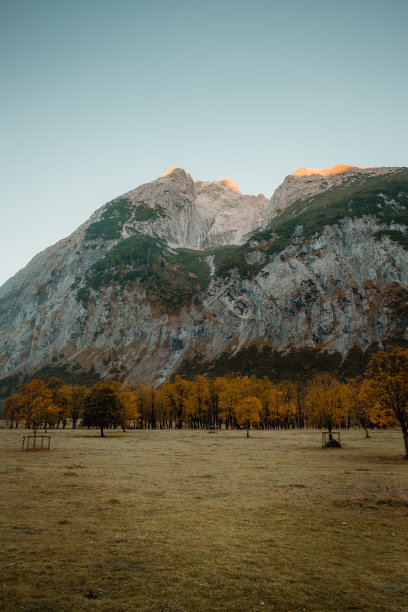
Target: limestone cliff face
195, 214
322, 264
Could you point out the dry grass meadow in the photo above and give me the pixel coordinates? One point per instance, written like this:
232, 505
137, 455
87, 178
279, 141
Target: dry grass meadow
184, 520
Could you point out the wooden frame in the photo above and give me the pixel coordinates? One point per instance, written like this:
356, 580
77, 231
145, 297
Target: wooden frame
328, 433
33, 439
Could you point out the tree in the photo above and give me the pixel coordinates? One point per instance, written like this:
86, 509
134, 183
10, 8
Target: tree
146, 398
327, 402
103, 406
366, 409
387, 373
248, 412
63, 399
199, 402
12, 407
175, 396
231, 393
266, 394
130, 412
289, 403
36, 404
78, 396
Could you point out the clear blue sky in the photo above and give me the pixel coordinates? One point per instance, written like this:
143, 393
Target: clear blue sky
100, 96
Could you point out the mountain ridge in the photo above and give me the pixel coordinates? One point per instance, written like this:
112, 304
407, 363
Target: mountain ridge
175, 269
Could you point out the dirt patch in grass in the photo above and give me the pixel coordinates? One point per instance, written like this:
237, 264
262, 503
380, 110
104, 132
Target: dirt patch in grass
389, 459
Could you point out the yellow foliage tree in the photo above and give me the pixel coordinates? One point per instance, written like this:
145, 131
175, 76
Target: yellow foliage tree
130, 413
288, 400
63, 399
36, 404
175, 396
248, 412
267, 394
327, 402
387, 376
78, 396
198, 401
12, 410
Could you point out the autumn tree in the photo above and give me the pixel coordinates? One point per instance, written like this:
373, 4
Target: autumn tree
12, 409
366, 410
103, 406
146, 398
63, 399
387, 373
289, 405
269, 396
327, 402
129, 407
175, 395
214, 402
248, 412
78, 396
60, 398
36, 404
161, 408
231, 394
198, 402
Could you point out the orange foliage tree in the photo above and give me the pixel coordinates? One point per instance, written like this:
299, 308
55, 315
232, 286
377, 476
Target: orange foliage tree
387, 376
327, 402
36, 405
248, 412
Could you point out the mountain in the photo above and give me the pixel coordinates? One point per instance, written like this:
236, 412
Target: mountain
189, 276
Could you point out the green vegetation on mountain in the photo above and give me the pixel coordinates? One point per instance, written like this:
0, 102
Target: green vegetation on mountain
111, 223
394, 235
170, 278
72, 373
383, 196
116, 214
297, 365
229, 258
143, 212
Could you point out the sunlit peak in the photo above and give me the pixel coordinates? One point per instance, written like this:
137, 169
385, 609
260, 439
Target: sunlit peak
172, 169
230, 183
169, 171
322, 171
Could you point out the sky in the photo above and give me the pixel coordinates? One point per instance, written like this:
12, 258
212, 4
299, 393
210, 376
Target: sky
98, 97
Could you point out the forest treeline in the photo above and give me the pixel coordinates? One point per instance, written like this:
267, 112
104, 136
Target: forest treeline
379, 399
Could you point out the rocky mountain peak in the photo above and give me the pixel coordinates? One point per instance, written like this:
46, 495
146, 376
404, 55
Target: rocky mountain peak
176, 173
324, 171
192, 213
306, 182
230, 183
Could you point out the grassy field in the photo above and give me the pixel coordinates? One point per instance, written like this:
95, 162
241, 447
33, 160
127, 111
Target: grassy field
181, 520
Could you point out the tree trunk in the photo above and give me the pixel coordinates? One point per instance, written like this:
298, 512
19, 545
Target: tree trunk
406, 444
102, 434
247, 432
